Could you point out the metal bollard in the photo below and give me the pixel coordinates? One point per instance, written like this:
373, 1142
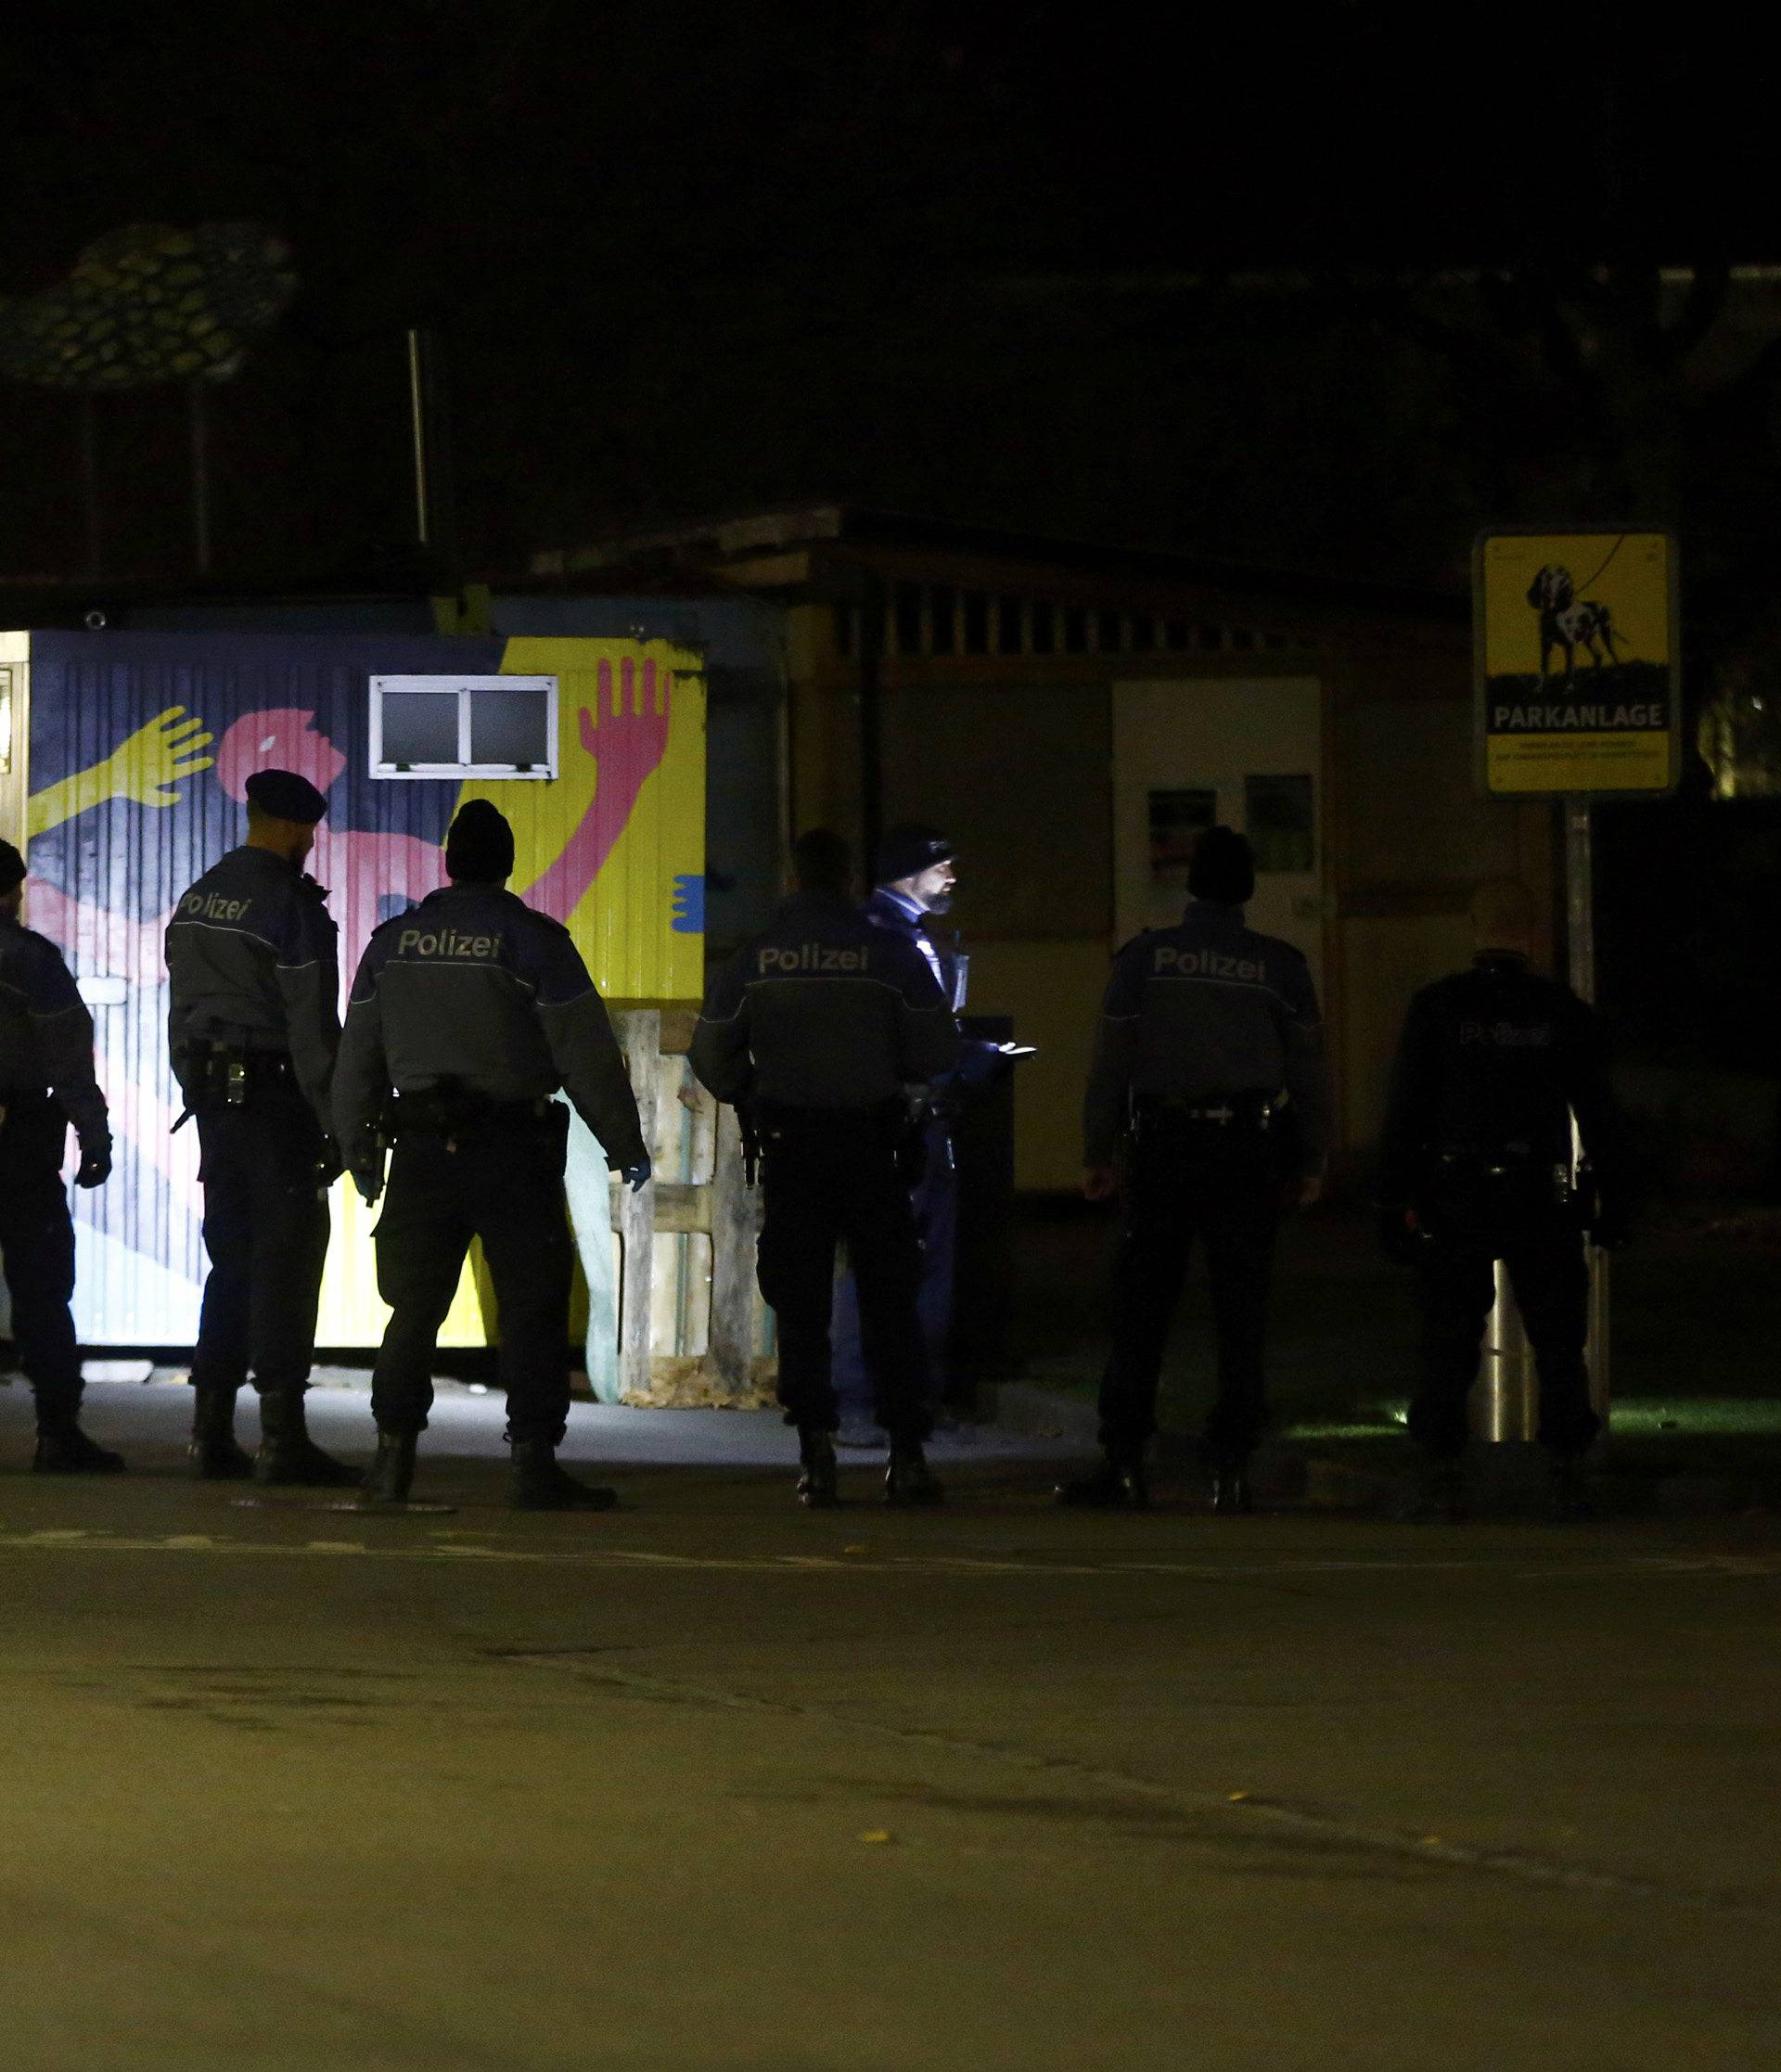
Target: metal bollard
1505, 1402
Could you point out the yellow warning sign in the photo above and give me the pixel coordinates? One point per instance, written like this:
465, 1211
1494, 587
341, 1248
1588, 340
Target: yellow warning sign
1576, 644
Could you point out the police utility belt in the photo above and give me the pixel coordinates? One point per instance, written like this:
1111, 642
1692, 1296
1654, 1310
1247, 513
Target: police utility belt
1248, 1113
450, 1109
228, 1075
1514, 1172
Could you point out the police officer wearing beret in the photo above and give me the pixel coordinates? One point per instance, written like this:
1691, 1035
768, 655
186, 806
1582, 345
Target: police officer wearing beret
1209, 1065
818, 1027
47, 1081
252, 955
475, 1010
1477, 1165
917, 878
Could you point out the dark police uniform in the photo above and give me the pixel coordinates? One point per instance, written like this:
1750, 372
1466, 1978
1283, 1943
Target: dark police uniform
47, 1081
252, 955
820, 1024
1492, 1065
933, 1200
1211, 1054
475, 1010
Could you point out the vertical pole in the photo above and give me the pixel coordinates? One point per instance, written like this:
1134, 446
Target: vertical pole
871, 723
200, 476
89, 439
1580, 911
418, 427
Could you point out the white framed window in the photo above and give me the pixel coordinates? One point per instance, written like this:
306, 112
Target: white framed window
464, 726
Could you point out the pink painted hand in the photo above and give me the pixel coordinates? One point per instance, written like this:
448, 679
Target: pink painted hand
627, 735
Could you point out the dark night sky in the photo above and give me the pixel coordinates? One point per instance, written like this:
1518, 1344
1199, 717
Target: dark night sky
690, 257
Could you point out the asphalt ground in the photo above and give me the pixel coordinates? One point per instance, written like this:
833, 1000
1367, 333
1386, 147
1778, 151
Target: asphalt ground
713, 1783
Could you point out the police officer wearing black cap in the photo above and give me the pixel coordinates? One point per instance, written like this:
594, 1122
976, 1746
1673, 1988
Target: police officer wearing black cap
47, 1081
474, 1010
1210, 1064
818, 1026
1477, 1165
917, 878
253, 1025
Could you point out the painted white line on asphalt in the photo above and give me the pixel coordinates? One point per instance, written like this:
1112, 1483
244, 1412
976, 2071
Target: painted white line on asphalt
1581, 1565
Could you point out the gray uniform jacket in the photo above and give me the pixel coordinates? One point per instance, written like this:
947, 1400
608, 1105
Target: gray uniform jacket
1203, 1010
473, 988
46, 1033
253, 958
823, 1011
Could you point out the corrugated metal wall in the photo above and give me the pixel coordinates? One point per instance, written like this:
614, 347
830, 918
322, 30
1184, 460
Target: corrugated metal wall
129, 803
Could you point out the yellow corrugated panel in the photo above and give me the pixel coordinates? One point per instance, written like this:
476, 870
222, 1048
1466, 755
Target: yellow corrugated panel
614, 846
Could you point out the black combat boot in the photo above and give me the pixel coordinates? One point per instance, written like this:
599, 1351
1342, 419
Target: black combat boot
287, 1453
1117, 1485
536, 1483
1572, 1503
1232, 1497
392, 1472
909, 1482
64, 1449
1438, 1497
817, 1488
215, 1455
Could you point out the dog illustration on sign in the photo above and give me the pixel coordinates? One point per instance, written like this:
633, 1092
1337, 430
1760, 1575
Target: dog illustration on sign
1568, 620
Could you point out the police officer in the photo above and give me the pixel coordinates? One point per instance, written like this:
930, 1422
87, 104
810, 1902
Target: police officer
1476, 1166
253, 1026
818, 1026
917, 878
475, 1010
47, 1081
1211, 1056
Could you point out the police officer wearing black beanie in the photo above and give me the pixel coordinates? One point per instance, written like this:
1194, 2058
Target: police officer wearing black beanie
47, 1081
253, 1023
474, 1011
1208, 1073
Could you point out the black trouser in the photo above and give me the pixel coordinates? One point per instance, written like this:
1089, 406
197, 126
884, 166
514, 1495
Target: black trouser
1218, 1182
933, 1202
266, 1229
499, 1178
37, 1253
830, 1176
1544, 1254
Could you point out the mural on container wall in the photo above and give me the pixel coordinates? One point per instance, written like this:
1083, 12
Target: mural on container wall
141, 746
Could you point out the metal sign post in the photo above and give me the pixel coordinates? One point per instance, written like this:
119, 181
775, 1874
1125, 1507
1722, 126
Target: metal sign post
1576, 678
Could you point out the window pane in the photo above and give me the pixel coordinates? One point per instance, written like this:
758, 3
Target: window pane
1278, 811
420, 726
1008, 627
1043, 625
908, 618
1075, 630
510, 726
977, 622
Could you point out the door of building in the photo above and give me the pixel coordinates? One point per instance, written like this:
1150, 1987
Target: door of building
1187, 755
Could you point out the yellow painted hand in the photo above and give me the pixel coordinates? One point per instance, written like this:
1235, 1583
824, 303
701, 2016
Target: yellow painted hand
149, 766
